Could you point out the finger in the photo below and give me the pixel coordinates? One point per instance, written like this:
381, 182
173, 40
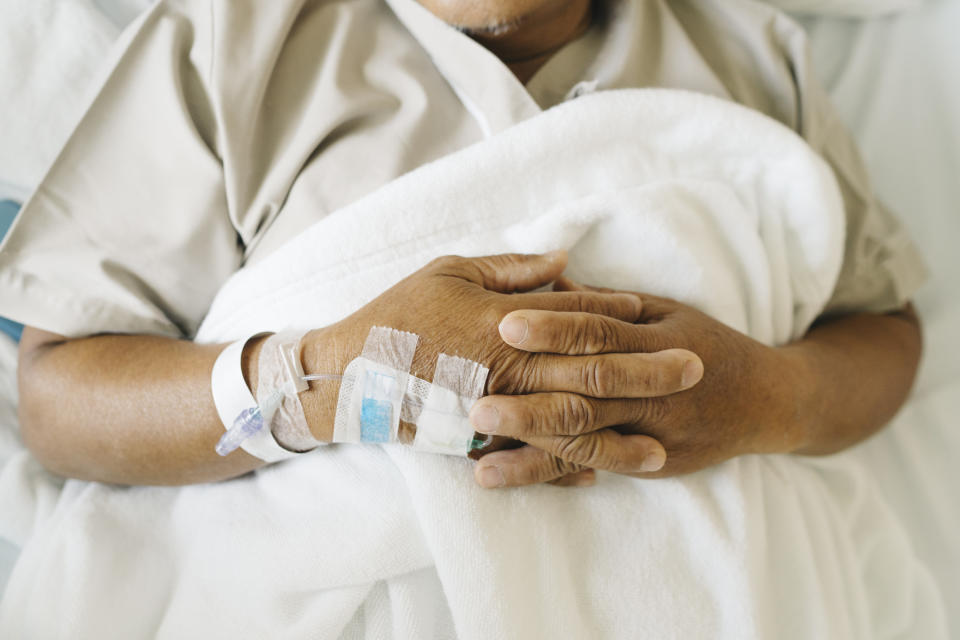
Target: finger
612, 375
505, 273
605, 449
548, 414
585, 478
575, 333
653, 306
519, 467
564, 283
624, 306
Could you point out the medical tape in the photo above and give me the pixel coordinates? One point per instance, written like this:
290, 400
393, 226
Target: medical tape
377, 392
280, 368
413, 401
443, 425
373, 387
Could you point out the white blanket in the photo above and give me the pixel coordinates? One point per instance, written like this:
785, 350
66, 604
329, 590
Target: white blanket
656, 191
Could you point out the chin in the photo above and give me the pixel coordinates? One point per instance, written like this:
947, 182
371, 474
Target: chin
487, 15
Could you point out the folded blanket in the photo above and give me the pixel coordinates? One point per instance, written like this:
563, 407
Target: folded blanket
659, 191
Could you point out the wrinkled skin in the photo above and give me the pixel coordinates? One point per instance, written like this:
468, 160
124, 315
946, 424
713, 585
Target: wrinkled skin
743, 404
456, 304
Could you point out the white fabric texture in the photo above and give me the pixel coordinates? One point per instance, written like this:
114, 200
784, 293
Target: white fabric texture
50, 53
382, 542
875, 70
878, 72
848, 8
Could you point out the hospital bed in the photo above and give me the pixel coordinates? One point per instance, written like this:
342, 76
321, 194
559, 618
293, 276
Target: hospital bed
894, 81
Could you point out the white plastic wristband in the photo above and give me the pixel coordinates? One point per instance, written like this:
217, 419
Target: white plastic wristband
231, 396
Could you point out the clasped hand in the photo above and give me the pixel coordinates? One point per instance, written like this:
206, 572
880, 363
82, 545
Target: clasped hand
636, 412
580, 378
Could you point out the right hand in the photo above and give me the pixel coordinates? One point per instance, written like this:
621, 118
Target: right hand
455, 305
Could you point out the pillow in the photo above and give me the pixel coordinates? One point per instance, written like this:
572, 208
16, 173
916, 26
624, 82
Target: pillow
850, 8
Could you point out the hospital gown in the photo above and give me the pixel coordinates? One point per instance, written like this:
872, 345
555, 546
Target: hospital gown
228, 126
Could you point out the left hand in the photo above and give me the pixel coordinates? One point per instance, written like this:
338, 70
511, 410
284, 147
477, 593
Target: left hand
746, 402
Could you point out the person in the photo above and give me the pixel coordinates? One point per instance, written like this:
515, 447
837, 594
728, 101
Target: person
225, 128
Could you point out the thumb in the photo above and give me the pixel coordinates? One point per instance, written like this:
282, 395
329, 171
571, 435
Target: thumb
506, 272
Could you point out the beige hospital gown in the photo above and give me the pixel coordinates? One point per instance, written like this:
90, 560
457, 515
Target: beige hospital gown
228, 126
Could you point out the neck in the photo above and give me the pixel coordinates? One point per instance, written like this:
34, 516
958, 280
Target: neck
526, 44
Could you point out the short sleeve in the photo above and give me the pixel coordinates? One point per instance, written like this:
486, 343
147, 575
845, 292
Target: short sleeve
129, 230
882, 267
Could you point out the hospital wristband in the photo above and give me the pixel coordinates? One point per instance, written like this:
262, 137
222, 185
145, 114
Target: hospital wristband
231, 396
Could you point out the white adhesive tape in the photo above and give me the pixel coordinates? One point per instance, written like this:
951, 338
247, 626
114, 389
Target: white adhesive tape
280, 368
443, 425
377, 391
373, 387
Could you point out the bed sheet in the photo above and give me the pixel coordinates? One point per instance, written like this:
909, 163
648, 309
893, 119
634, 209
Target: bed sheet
9, 442
893, 80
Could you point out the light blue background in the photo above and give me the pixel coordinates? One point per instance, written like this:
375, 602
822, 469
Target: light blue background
8, 213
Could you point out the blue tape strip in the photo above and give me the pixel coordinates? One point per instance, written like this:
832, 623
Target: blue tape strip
376, 407
375, 419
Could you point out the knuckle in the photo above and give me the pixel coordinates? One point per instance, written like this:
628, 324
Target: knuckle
577, 449
578, 302
457, 266
568, 338
586, 335
578, 413
500, 380
492, 314
536, 418
602, 336
600, 379
444, 263
558, 467
514, 373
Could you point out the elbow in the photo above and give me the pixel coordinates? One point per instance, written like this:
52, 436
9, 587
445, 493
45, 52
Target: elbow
42, 428
912, 338
37, 431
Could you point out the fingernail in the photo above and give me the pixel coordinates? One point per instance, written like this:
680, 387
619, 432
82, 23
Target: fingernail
514, 329
653, 461
485, 419
491, 477
692, 373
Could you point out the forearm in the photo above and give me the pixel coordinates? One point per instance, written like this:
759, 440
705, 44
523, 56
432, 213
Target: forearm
858, 371
124, 409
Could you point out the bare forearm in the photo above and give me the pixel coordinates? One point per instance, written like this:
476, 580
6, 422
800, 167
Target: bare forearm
860, 370
123, 409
